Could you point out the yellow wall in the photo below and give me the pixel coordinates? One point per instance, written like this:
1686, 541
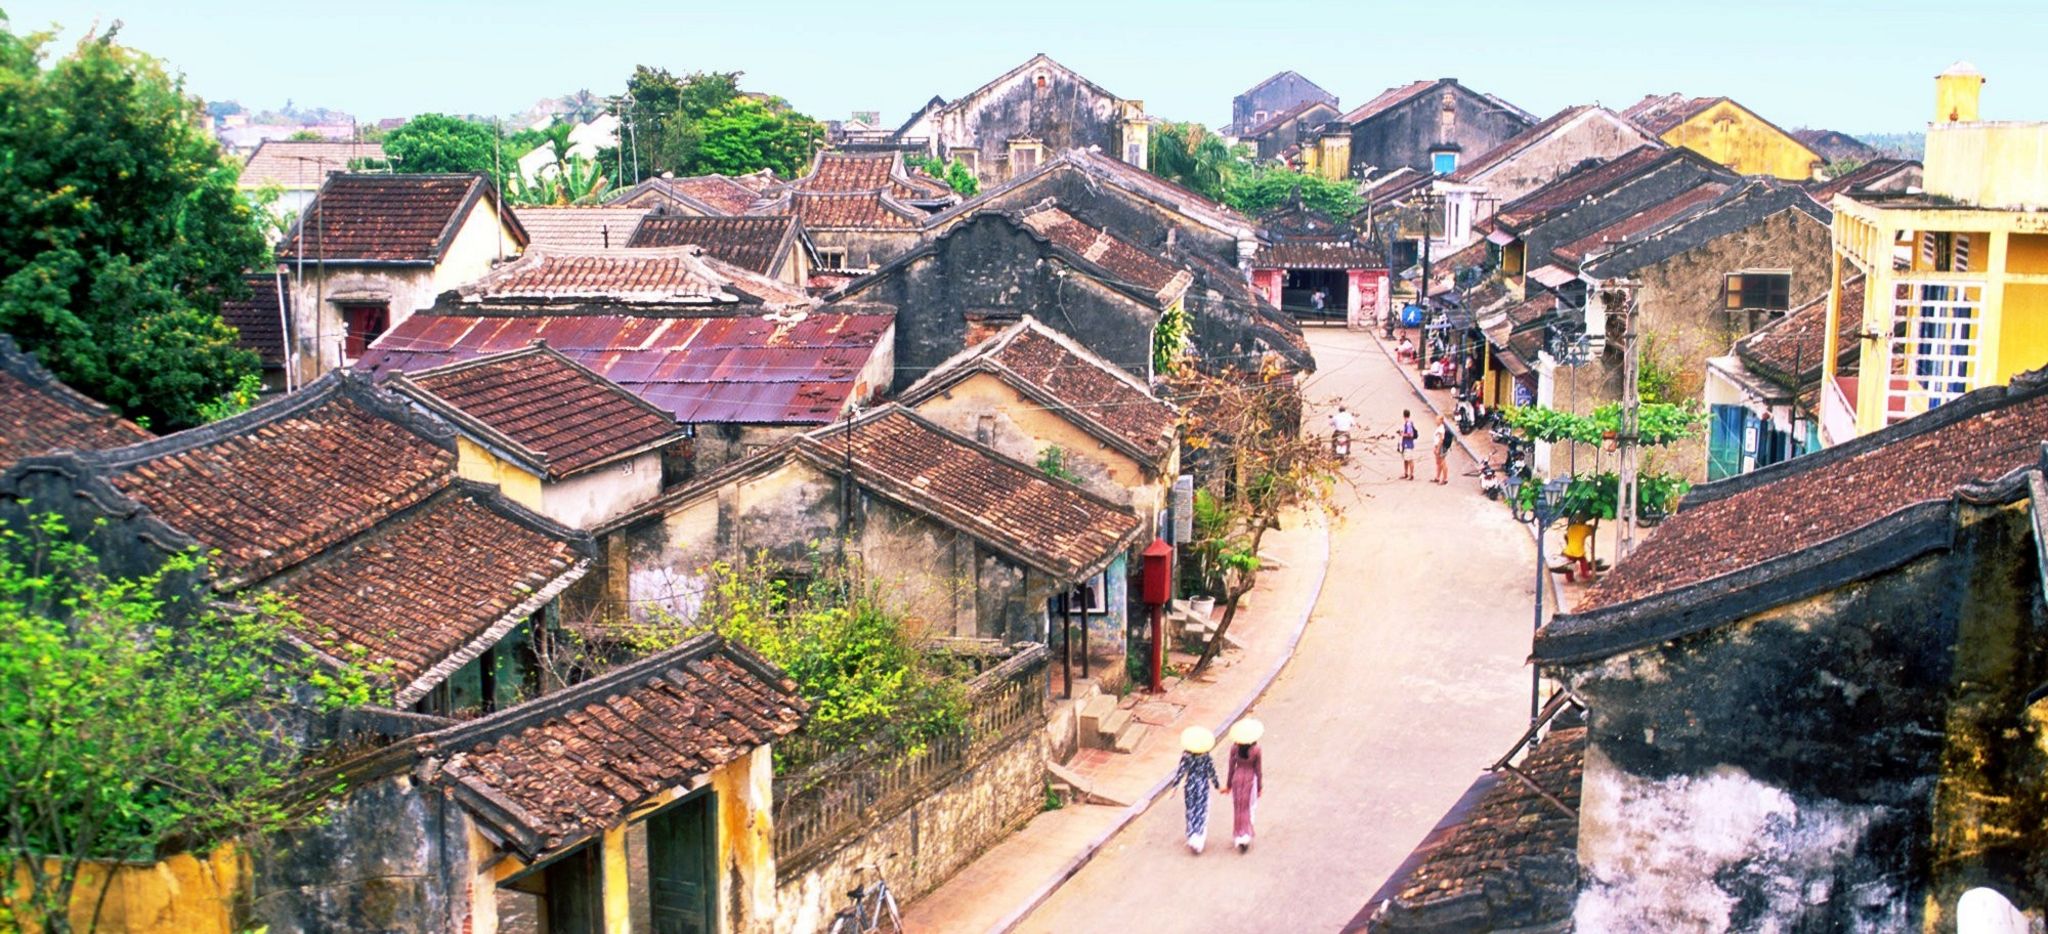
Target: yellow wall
184, 894
473, 462
1740, 140
1997, 165
2023, 330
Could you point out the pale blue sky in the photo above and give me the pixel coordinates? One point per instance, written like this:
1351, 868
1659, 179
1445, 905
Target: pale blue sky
1856, 65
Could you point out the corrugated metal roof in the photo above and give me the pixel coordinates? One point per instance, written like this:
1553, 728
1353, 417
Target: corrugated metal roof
722, 369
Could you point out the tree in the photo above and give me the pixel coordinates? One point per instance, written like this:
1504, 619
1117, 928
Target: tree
748, 135
1264, 188
1252, 421
135, 718
441, 143
666, 112
121, 228
1192, 157
577, 181
582, 106
951, 171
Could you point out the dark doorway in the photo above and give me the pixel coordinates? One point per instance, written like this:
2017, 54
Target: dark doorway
364, 324
565, 896
1297, 293
682, 859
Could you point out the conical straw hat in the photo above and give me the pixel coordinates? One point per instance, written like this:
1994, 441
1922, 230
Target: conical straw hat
1197, 740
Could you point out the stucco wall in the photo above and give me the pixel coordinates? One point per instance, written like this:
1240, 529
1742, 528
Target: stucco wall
1065, 113
1403, 134
180, 894
1280, 93
927, 842
1024, 430
588, 499
1593, 135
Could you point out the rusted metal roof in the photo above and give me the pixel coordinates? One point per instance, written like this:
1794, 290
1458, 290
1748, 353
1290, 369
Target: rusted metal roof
713, 369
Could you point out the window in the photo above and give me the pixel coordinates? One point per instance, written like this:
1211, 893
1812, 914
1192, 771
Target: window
969, 157
1134, 153
832, 259
985, 428
1759, 291
1258, 117
1023, 158
364, 323
1443, 163
1933, 345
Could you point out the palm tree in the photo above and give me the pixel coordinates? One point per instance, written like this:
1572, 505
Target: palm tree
582, 106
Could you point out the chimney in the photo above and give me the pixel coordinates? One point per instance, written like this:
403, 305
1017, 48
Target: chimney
1955, 93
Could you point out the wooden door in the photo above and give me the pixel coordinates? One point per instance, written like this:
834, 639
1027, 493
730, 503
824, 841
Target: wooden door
575, 893
682, 861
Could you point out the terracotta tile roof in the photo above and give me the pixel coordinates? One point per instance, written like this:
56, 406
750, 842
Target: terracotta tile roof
1876, 170
580, 229
1065, 376
1504, 859
1573, 186
1305, 253
1100, 247
720, 369
276, 485
1115, 172
258, 326
871, 171
1789, 351
302, 164
671, 276
556, 414
38, 414
1739, 523
1015, 508
430, 588
557, 770
715, 194
869, 210
1387, 100
1658, 113
404, 219
758, 244
1649, 218
1395, 186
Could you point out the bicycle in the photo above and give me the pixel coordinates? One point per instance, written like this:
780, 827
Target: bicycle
873, 908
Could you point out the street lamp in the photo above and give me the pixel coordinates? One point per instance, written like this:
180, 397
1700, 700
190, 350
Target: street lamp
1549, 499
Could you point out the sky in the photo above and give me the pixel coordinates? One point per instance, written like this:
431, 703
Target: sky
1852, 65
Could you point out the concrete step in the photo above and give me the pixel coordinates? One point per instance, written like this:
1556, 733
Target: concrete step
1127, 740
1084, 790
1093, 712
1114, 723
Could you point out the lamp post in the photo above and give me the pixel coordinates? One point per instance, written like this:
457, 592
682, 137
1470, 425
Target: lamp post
1548, 498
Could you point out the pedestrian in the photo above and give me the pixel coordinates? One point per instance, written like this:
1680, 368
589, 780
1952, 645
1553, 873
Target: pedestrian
1247, 779
1316, 299
1443, 450
1408, 436
1196, 775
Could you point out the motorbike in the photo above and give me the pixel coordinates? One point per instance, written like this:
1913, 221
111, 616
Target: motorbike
1502, 434
1340, 445
1489, 480
1470, 413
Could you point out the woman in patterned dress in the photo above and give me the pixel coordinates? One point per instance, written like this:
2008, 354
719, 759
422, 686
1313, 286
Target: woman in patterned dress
1247, 778
1196, 775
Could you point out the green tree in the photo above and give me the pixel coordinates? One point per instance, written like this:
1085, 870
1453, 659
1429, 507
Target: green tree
1196, 159
578, 181
666, 112
441, 143
121, 228
133, 719
747, 135
1265, 188
953, 172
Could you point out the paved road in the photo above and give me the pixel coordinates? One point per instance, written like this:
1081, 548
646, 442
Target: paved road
1408, 681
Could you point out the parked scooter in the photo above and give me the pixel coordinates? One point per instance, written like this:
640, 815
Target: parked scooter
1502, 433
1489, 480
1470, 413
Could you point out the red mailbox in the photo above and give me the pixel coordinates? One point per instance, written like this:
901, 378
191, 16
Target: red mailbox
1157, 581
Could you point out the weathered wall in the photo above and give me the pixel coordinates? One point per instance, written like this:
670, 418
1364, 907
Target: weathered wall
1046, 103
473, 461
1023, 429
865, 249
180, 894
1740, 140
590, 498
991, 267
1403, 134
1780, 773
927, 842
1594, 135
387, 857
1278, 94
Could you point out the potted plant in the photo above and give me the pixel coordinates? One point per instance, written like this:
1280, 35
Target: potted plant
1657, 495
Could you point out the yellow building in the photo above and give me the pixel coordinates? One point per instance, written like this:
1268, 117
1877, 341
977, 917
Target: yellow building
1957, 274
1726, 132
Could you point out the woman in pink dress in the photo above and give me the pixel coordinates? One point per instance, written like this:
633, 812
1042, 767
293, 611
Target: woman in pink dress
1246, 779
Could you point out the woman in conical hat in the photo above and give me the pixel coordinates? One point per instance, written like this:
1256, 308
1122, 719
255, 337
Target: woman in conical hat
1196, 774
1247, 778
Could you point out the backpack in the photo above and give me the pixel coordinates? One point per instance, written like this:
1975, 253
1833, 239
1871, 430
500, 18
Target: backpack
1408, 432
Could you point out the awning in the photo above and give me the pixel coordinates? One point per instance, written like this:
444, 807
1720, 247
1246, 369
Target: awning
1500, 238
1552, 275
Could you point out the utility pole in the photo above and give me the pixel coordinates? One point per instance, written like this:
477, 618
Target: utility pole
1631, 406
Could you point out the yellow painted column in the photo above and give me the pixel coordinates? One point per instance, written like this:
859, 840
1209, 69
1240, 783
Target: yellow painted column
1990, 369
618, 904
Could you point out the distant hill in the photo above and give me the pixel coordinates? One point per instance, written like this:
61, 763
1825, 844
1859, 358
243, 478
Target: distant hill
1897, 145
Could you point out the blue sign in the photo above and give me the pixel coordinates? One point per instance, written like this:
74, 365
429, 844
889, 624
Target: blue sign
1411, 315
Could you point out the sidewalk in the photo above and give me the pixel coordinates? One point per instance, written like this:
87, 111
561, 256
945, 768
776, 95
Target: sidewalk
1480, 446
1000, 888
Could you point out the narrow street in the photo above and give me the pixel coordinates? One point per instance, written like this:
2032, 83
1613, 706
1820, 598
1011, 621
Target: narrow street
1408, 681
